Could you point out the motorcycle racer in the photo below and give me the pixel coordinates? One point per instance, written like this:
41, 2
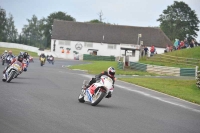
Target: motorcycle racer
3, 56
42, 56
5, 53
19, 59
110, 73
9, 57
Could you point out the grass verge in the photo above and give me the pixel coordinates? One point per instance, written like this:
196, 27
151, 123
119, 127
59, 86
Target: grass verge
16, 51
181, 88
95, 67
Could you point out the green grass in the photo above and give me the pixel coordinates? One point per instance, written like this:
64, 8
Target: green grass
95, 67
186, 53
181, 88
16, 51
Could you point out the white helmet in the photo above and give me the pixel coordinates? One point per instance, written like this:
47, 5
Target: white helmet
5, 51
111, 71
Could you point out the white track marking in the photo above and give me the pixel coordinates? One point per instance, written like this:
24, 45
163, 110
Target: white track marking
158, 98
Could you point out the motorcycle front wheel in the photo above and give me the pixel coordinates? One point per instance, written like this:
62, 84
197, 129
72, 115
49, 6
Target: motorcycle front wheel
10, 77
42, 63
81, 98
97, 98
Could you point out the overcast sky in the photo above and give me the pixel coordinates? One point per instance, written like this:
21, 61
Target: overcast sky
122, 12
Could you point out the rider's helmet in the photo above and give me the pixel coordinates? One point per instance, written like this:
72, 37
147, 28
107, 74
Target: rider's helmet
111, 71
20, 53
10, 52
5, 51
25, 54
20, 58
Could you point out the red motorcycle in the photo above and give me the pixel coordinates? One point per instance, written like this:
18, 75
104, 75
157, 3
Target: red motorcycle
31, 59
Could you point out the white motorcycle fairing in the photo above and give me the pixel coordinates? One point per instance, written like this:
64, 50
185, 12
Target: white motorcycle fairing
97, 91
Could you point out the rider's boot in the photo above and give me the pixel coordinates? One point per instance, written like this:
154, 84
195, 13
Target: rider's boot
109, 95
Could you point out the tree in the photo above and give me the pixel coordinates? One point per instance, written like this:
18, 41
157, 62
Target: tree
178, 20
10, 30
2, 24
49, 22
32, 34
94, 21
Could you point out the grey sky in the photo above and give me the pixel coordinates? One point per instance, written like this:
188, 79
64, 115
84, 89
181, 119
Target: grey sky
122, 12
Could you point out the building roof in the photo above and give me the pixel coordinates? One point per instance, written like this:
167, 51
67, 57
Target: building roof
111, 34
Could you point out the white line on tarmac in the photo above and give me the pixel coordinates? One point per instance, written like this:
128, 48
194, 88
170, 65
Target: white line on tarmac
158, 98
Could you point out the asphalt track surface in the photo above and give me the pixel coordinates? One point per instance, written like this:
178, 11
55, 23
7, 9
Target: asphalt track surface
45, 100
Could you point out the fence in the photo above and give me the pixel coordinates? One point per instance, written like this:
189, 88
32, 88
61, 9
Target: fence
98, 58
163, 70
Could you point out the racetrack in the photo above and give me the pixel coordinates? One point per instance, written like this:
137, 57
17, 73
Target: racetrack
45, 100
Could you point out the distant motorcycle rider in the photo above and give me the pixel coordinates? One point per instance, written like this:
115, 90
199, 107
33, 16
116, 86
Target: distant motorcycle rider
42, 56
25, 60
5, 53
51, 58
9, 57
19, 59
26, 55
110, 73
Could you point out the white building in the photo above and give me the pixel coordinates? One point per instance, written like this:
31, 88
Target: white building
73, 39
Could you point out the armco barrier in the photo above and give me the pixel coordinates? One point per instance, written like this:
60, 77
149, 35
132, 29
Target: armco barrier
98, 58
120, 65
138, 66
33, 49
19, 46
187, 72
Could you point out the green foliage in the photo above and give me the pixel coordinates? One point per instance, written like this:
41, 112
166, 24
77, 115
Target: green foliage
2, 24
178, 20
95, 21
32, 33
11, 31
49, 22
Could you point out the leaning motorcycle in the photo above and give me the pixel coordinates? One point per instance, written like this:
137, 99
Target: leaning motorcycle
9, 59
13, 71
51, 60
97, 91
42, 60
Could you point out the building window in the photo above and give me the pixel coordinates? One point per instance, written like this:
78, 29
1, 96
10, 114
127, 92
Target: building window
88, 44
111, 46
67, 43
62, 42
